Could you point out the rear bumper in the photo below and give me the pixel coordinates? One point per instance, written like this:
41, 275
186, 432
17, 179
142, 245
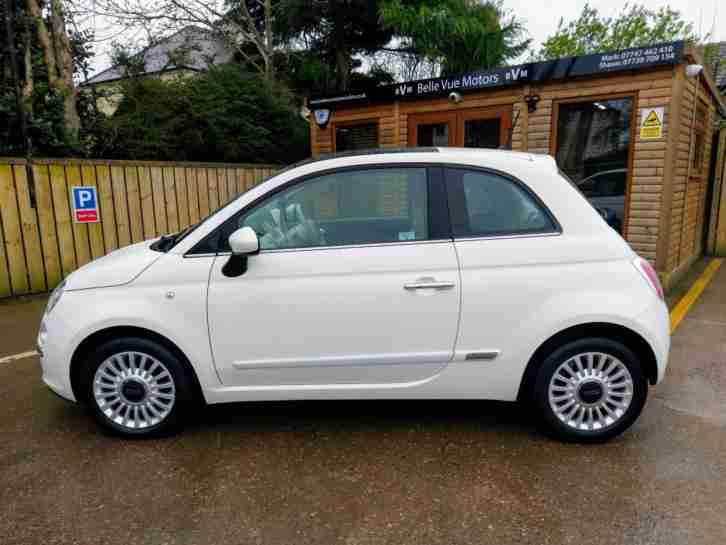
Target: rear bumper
656, 325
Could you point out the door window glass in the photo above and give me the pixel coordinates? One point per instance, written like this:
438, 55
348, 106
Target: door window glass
432, 134
593, 147
349, 207
482, 133
494, 205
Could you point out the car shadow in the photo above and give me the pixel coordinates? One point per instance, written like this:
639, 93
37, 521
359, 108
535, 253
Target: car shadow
365, 416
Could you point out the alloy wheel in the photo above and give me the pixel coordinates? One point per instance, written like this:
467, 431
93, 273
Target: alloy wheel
590, 391
134, 390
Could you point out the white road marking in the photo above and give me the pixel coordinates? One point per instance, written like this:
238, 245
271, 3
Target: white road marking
21, 356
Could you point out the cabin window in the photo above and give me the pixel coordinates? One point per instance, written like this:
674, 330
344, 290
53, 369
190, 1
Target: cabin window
593, 147
356, 137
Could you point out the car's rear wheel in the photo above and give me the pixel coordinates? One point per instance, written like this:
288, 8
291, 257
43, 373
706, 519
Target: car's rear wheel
590, 390
136, 387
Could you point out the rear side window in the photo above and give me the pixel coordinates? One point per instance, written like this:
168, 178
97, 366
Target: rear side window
488, 204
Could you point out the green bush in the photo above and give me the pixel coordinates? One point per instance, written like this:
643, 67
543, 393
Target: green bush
226, 114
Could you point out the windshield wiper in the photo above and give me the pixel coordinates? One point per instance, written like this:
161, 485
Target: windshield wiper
164, 244
167, 242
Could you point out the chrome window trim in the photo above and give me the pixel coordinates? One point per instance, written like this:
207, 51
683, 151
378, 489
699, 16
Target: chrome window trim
341, 247
513, 235
192, 256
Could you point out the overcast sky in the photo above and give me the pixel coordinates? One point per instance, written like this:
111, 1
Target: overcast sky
542, 16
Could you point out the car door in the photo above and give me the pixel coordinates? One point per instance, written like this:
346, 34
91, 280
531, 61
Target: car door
356, 282
506, 242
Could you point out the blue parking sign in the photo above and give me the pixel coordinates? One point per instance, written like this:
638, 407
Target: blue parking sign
85, 204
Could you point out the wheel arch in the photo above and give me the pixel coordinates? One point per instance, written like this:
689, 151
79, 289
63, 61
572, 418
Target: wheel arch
99, 337
616, 332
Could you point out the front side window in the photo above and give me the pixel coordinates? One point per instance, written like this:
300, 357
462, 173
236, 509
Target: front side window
369, 206
487, 204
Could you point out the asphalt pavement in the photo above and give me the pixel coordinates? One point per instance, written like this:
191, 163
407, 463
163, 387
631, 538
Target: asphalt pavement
368, 472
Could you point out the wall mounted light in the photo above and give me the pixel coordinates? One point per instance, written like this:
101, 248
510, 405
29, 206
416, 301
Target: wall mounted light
531, 101
692, 70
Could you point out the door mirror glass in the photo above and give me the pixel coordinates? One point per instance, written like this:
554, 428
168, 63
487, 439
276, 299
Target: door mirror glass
244, 241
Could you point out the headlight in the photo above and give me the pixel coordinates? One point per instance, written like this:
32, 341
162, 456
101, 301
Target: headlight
55, 297
42, 337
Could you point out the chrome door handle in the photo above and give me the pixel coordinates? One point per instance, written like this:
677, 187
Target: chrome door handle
428, 285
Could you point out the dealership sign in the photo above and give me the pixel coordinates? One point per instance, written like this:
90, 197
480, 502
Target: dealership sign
557, 69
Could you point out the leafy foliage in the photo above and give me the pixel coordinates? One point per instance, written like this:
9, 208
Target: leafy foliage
43, 105
225, 114
458, 35
636, 26
331, 33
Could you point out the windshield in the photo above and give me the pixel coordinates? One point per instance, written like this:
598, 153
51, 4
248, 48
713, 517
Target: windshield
167, 242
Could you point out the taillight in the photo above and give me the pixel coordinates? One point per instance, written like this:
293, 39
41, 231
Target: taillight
648, 272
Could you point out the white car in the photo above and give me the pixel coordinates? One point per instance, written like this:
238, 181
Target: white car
418, 274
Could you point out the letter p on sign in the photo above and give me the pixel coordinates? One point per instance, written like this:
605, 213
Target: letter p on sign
85, 204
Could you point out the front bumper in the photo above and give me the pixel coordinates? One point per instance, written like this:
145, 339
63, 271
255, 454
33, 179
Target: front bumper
54, 362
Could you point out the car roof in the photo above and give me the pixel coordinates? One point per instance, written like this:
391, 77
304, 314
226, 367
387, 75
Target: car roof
423, 154
535, 170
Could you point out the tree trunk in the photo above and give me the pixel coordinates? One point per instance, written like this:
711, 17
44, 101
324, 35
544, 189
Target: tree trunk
28, 82
64, 62
269, 56
57, 56
44, 39
20, 107
342, 55
342, 68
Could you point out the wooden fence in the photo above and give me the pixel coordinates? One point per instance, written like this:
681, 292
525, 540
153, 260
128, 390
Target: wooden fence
39, 242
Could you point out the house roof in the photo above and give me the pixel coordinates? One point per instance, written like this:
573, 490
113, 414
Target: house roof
200, 49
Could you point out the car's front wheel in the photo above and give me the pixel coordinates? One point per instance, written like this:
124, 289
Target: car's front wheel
136, 387
590, 390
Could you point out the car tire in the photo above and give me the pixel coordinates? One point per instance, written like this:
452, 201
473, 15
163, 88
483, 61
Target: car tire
590, 390
136, 387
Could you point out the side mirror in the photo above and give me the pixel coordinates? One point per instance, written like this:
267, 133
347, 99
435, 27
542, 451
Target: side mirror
244, 243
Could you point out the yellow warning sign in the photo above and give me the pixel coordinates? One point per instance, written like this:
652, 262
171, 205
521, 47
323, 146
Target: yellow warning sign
651, 124
652, 120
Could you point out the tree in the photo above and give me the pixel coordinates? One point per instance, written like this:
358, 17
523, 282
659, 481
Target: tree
56, 49
456, 35
38, 108
226, 114
245, 25
636, 26
334, 32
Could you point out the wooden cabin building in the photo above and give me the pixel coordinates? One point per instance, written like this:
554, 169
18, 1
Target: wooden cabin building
636, 130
